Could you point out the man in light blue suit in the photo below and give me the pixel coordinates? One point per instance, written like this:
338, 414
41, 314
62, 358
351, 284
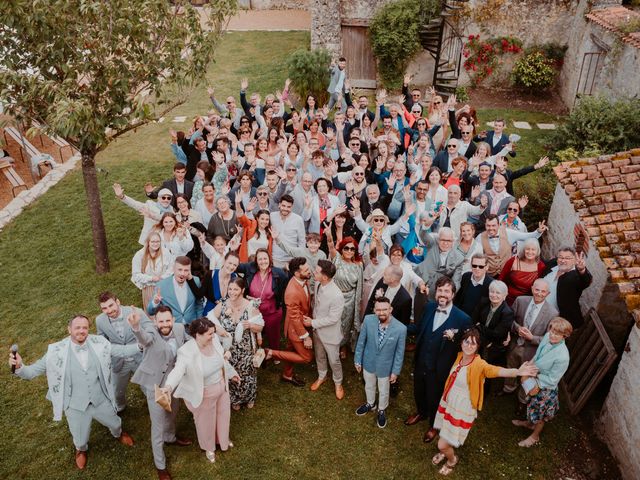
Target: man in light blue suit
379, 356
78, 371
177, 293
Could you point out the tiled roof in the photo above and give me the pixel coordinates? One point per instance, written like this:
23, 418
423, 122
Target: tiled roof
605, 192
611, 18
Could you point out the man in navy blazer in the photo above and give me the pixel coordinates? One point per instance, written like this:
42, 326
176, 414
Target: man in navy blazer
379, 356
497, 133
436, 350
177, 293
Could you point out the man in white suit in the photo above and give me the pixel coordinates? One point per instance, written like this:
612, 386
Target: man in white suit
327, 311
78, 370
112, 325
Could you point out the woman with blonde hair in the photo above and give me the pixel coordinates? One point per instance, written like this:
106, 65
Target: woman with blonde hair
151, 264
173, 235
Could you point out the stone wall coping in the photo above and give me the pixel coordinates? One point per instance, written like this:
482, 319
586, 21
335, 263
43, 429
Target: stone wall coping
612, 17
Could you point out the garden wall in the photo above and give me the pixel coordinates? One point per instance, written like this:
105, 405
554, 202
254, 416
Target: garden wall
274, 4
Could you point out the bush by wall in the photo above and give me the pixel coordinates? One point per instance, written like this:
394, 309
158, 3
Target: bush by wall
534, 72
394, 36
309, 73
598, 124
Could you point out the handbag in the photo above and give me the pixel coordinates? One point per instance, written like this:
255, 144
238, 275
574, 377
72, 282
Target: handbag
258, 353
162, 398
530, 386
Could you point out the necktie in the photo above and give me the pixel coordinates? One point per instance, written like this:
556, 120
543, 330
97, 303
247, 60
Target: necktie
381, 334
531, 314
82, 348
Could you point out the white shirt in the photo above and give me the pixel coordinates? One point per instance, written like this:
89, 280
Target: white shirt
180, 187
513, 236
463, 147
440, 318
392, 291
534, 310
83, 355
552, 280
181, 294
443, 258
474, 283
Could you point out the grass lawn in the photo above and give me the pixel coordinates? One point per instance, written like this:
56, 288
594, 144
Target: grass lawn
47, 265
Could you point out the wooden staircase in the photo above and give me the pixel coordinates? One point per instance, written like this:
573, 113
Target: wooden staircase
441, 39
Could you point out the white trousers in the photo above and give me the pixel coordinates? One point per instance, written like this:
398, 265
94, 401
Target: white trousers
383, 384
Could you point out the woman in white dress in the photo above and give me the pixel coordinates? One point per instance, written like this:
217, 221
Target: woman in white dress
151, 264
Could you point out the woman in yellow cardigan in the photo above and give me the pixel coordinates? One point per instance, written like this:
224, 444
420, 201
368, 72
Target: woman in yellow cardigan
463, 395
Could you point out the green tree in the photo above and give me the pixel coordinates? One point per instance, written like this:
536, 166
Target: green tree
91, 70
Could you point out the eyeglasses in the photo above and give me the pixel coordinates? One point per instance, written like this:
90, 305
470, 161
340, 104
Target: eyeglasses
349, 248
445, 240
166, 197
263, 194
378, 220
452, 146
511, 209
481, 267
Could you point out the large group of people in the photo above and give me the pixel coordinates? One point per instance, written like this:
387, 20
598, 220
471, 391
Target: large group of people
344, 230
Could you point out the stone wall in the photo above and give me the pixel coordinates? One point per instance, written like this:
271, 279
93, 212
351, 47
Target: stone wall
601, 294
619, 423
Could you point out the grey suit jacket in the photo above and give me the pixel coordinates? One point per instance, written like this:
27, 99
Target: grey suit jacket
157, 359
105, 328
327, 312
539, 328
430, 270
335, 76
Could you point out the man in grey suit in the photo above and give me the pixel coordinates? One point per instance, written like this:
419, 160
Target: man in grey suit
112, 325
161, 343
441, 259
78, 370
532, 316
338, 83
379, 356
177, 292
327, 311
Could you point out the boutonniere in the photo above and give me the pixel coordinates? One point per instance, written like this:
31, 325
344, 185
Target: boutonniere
450, 334
379, 293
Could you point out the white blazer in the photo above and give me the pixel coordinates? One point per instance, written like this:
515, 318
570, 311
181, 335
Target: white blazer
327, 312
186, 379
312, 215
144, 279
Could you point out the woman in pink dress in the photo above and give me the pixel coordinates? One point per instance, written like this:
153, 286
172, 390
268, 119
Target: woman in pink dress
266, 284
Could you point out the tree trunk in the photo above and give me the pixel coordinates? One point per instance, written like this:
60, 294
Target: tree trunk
95, 212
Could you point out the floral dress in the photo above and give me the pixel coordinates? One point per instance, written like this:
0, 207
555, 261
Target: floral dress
241, 359
348, 278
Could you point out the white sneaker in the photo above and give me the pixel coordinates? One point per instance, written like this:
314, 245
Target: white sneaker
211, 456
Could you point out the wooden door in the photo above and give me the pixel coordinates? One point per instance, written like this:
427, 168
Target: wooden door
356, 48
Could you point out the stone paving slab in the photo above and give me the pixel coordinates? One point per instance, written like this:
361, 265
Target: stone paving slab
522, 125
546, 126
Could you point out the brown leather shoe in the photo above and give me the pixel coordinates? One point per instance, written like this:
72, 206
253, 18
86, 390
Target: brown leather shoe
125, 439
163, 474
181, 442
413, 419
339, 392
430, 435
81, 459
316, 385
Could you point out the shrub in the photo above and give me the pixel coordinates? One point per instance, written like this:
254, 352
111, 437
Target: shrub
599, 124
309, 73
553, 51
534, 72
394, 36
462, 95
482, 57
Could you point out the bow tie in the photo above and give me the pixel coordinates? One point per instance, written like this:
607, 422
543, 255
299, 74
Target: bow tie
439, 310
82, 348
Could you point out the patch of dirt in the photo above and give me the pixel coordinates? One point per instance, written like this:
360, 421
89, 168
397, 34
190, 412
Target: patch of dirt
483, 97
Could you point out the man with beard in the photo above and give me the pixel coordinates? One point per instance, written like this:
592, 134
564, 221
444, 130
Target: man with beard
177, 292
160, 348
297, 298
436, 350
78, 370
291, 228
112, 325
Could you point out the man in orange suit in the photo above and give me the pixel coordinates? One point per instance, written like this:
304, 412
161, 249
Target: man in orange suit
297, 297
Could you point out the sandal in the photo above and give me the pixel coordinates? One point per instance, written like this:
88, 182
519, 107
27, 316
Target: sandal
438, 458
528, 442
447, 468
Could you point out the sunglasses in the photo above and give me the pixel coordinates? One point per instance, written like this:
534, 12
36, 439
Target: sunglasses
422, 124
355, 144
512, 209
416, 112
358, 174
437, 103
466, 133
263, 194
166, 197
378, 220
291, 169
481, 267
229, 103
415, 94
349, 248
452, 146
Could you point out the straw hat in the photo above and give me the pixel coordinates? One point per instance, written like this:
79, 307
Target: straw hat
378, 213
